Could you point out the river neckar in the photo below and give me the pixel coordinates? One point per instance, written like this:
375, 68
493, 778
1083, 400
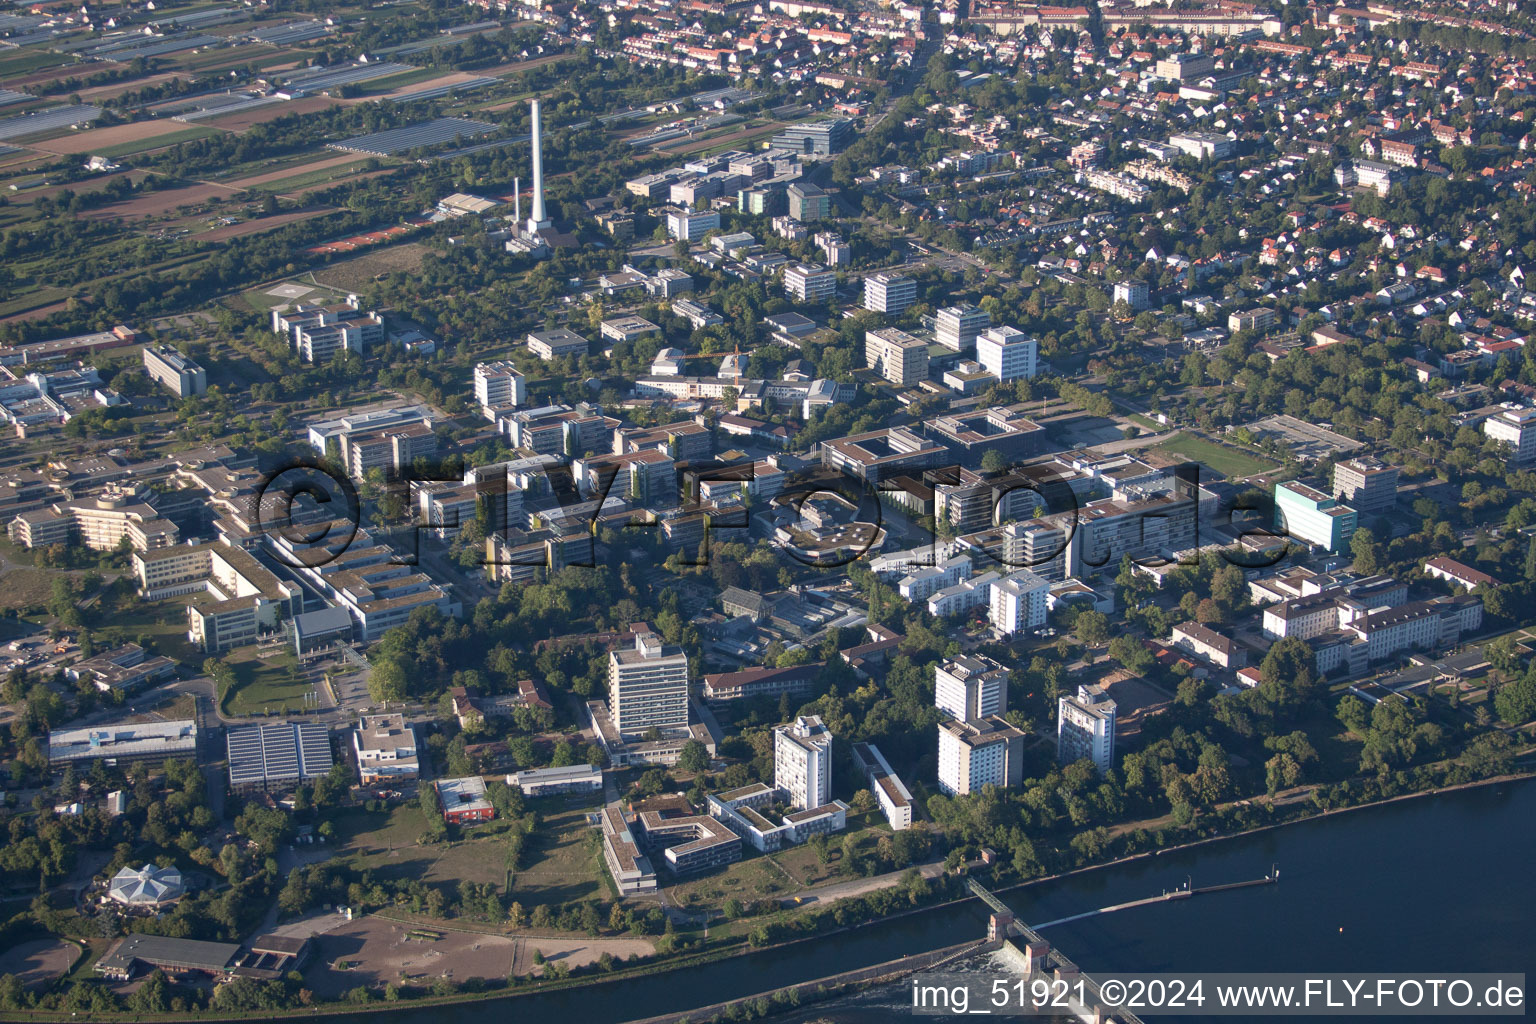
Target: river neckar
1439, 883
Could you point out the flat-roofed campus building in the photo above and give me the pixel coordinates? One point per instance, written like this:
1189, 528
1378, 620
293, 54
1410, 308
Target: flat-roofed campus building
386, 749
970, 687
576, 778
881, 454
464, 800
1085, 727
237, 598
889, 293
176, 371
802, 762
1365, 484
890, 793
899, 357
986, 752
648, 685
1312, 516
745, 811
277, 757
148, 743
556, 342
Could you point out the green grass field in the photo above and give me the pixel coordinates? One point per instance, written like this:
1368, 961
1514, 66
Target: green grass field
24, 62
559, 861
264, 686
379, 86
1227, 461
158, 142
310, 179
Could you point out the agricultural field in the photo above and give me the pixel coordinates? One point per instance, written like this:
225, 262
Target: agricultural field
123, 139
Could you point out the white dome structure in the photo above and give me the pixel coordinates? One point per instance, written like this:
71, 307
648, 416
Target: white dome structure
148, 886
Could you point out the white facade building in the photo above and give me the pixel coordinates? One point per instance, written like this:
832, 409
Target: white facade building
498, 384
970, 687
802, 762
1019, 601
1008, 353
1085, 727
648, 685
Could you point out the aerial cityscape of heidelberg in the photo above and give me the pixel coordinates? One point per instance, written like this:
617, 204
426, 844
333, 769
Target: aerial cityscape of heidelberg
709, 510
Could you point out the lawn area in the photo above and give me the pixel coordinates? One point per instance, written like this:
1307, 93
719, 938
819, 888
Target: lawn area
21, 589
21, 62
264, 686
309, 178
1227, 461
559, 862
164, 622
157, 142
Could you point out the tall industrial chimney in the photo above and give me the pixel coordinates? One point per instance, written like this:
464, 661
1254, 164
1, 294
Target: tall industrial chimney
517, 202
537, 221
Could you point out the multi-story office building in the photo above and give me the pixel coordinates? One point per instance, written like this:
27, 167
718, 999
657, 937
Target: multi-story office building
808, 202
894, 799
889, 293
1085, 727
988, 752
1515, 428
648, 685
970, 687
244, 599
124, 743
881, 454
821, 138
956, 327
499, 384
1008, 353
1018, 602
691, 225
1133, 293
834, 249
385, 747
1184, 67
1203, 145
388, 450
277, 757
802, 762
557, 342
896, 355
175, 371
807, 282
1365, 484
1310, 516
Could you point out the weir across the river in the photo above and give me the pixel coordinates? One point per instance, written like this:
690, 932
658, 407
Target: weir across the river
1038, 958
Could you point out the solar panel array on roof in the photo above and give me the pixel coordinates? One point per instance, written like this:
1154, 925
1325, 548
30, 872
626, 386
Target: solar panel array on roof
278, 753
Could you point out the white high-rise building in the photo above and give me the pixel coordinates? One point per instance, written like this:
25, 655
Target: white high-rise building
1019, 602
889, 293
808, 282
958, 326
988, 752
1516, 428
1008, 353
802, 762
648, 685
970, 687
1085, 727
498, 384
